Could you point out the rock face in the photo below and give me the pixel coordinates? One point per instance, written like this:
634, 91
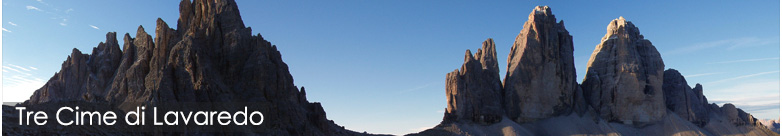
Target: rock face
625, 91
689, 104
730, 120
737, 116
83, 76
541, 77
624, 76
732, 113
210, 58
473, 91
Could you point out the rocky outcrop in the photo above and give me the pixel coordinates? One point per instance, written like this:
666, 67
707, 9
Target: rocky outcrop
748, 119
129, 85
210, 58
730, 111
699, 92
541, 78
82, 77
730, 120
737, 116
688, 103
473, 91
624, 76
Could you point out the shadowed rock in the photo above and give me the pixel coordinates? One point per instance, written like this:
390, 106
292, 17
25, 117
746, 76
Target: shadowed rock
210, 58
684, 101
82, 77
473, 92
541, 77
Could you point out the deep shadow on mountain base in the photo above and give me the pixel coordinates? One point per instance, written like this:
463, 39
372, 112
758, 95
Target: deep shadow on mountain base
574, 124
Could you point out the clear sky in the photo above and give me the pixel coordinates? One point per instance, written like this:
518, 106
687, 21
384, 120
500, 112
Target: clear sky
379, 66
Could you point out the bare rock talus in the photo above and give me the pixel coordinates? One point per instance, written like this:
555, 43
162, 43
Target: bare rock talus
541, 77
624, 76
474, 92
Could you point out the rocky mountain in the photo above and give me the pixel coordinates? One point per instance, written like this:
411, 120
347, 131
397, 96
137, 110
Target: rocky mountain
688, 103
625, 92
541, 78
472, 91
624, 76
213, 61
210, 60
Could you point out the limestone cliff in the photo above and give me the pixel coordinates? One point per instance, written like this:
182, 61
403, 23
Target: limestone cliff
473, 91
625, 92
541, 78
624, 76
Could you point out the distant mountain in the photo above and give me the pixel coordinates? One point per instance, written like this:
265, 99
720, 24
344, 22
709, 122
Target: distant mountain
626, 90
771, 124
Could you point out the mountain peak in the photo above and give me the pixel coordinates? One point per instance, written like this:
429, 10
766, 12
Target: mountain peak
488, 55
542, 52
543, 10
541, 13
472, 92
204, 14
625, 73
210, 58
620, 27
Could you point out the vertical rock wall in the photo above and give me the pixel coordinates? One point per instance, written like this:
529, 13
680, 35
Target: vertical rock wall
541, 77
624, 76
474, 93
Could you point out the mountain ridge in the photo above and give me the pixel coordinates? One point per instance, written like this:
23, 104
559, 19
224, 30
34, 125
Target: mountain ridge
212, 57
626, 91
210, 61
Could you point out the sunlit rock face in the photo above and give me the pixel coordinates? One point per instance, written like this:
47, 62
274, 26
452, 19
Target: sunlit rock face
624, 76
541, 77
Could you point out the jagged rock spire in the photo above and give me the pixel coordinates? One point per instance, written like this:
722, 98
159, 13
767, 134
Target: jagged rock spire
541, 77
473, 92
203, 14
82, 77
210, 58
487, 54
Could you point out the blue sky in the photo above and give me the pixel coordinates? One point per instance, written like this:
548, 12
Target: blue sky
379, 66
